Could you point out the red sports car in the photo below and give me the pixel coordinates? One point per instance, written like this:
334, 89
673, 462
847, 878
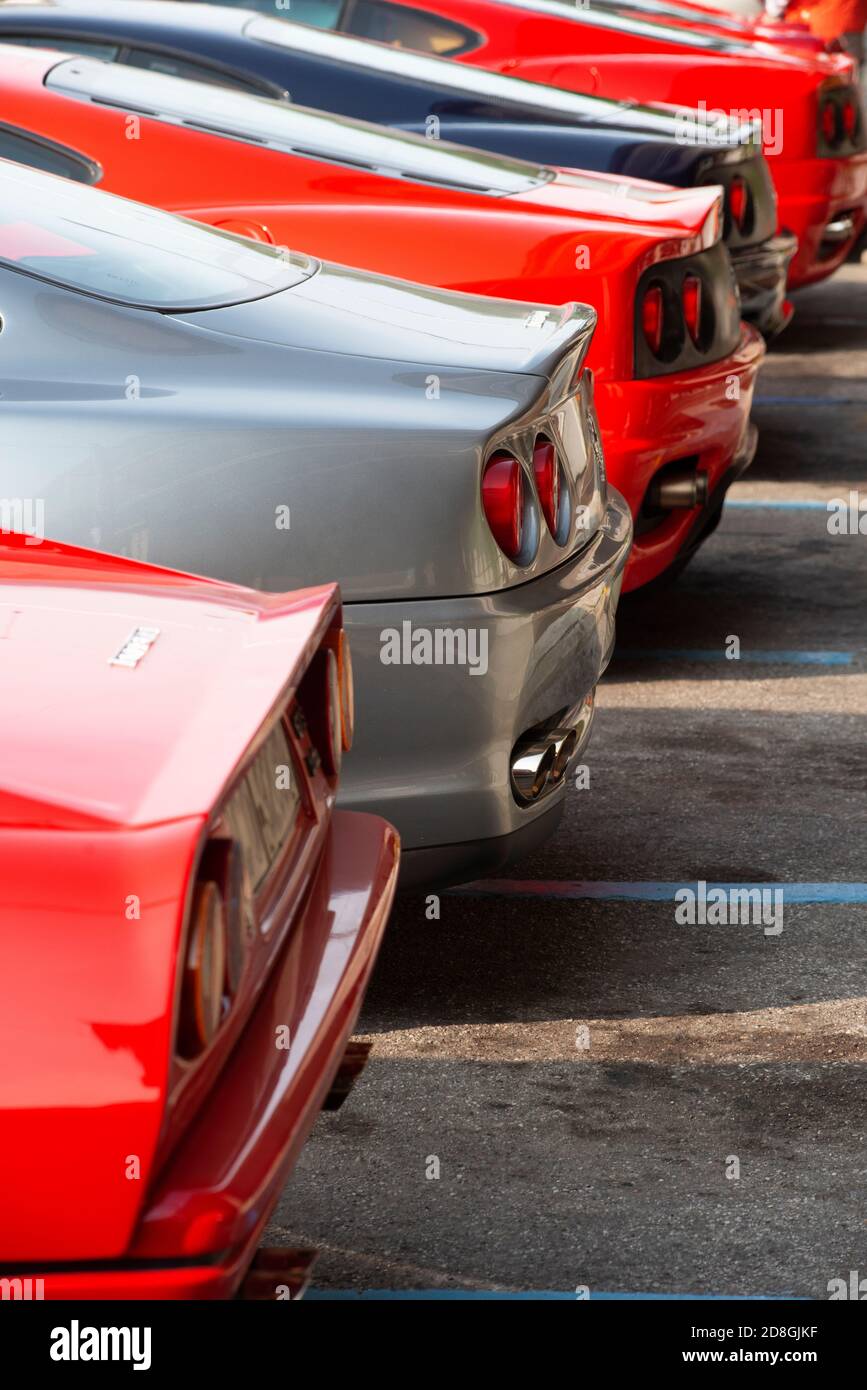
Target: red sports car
809, 102
186, 925
674, 367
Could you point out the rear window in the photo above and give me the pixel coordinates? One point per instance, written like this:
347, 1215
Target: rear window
154, 61
403, 28
93, 242
89, 47
36, 153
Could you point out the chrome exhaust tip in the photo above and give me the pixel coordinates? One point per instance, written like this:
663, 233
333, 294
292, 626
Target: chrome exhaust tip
565, 751
531, 767
840, 228
682, 488
541, 757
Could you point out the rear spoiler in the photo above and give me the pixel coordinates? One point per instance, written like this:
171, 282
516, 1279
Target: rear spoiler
559, 357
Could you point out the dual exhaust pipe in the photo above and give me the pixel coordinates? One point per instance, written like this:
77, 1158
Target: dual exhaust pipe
542, 755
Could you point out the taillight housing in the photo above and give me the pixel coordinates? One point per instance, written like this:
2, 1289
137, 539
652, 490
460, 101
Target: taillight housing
840, 120
687, 313
546, 473
504, 502
328, 708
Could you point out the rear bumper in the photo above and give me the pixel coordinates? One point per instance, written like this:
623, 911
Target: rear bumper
701, 416
204, 1216
813, 195
434, 741
761, 273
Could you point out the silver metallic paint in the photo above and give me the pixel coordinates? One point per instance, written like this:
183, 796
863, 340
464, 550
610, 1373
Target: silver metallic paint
318, 399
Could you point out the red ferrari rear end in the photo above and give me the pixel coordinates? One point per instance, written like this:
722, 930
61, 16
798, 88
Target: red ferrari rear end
807, 100
187, 926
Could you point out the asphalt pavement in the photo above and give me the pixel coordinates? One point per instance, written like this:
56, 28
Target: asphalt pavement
569, 1089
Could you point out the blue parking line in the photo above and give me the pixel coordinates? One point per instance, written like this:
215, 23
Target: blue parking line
652, 891
528, 1296
753, 656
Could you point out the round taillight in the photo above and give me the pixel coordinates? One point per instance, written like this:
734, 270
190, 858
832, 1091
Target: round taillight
738, 202
347, 690
691, 300
333, 715
652, 318
204, 971
503, 501
829, 122
546, 472
850, 119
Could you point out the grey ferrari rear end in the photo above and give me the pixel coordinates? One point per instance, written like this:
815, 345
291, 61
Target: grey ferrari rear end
182, 396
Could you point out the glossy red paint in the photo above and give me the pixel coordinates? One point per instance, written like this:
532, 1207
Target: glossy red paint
107, 795
553, 42
585, 237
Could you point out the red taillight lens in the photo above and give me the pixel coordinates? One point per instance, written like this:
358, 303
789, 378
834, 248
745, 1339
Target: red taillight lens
691, 299
546, 471
829, 122
738, 202
850, 119
652, 312
204, 971
503, 501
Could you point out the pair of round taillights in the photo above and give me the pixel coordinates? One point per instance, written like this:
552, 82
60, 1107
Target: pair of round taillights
839, 122
661, 335
215, 949
506, 500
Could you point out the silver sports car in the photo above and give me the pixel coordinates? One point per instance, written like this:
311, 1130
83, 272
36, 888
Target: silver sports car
185, 396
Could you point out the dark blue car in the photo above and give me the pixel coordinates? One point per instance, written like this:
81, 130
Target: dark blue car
256, 52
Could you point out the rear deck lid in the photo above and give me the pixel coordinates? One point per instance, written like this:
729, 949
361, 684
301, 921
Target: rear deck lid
276, 125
